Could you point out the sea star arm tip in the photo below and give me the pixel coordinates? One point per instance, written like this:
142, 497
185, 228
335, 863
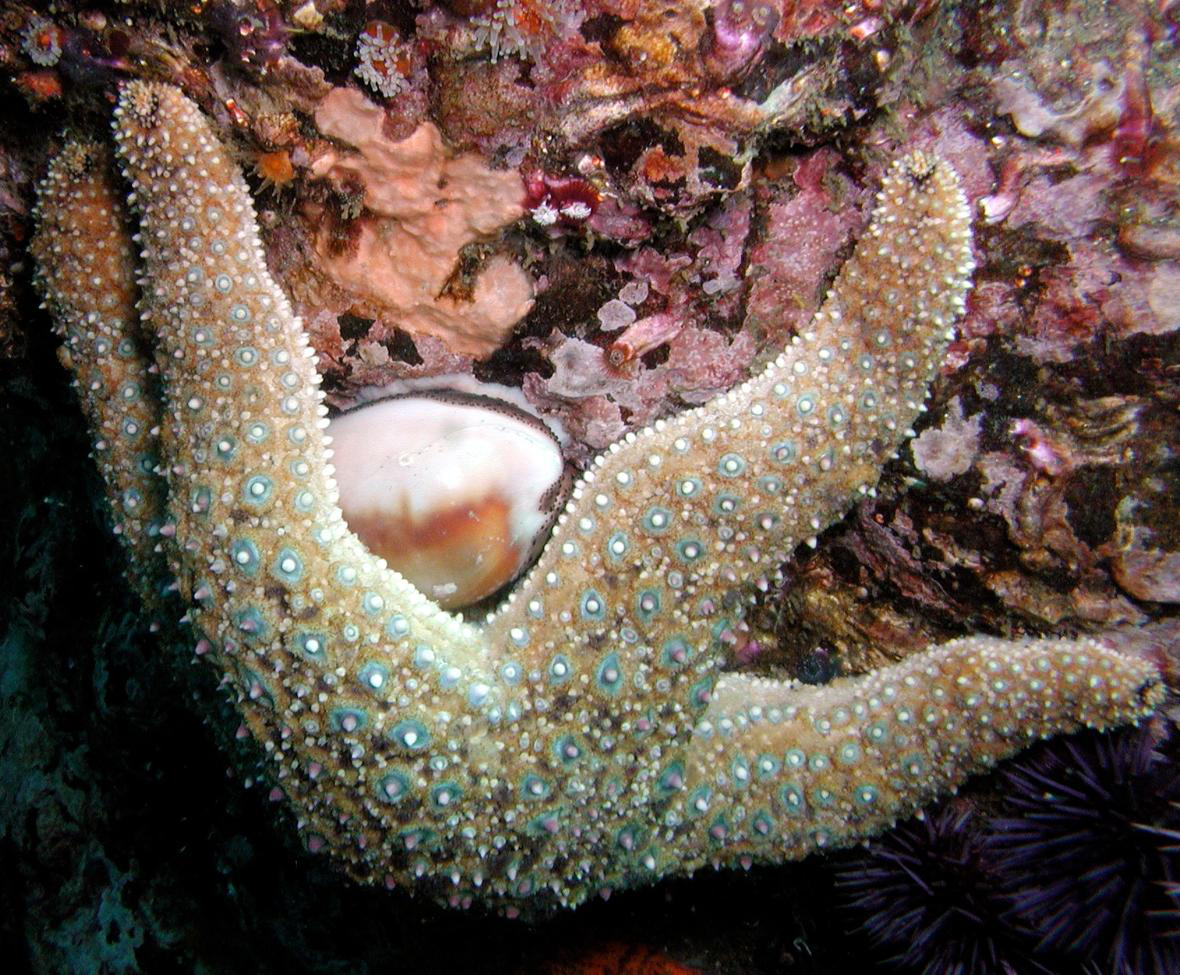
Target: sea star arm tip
86, 271
824, 766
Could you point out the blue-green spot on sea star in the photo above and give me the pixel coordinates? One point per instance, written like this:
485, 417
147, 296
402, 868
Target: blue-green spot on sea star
583, 737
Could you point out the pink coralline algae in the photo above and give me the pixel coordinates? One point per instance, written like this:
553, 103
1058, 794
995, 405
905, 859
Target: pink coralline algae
1035, 116
803, 233
422, 205
592, 389
741, 31
674, 98
615, 314
947, 451
1099, 158
1039, 447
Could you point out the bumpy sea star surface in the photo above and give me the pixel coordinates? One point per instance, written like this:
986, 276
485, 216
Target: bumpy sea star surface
581, 738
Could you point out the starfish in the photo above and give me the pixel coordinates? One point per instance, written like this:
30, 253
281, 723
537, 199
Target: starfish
584, 736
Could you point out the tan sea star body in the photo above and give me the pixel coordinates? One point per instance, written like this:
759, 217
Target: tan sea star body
582, 738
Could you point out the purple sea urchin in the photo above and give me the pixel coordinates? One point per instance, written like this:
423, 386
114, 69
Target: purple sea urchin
930, 897
1090, 854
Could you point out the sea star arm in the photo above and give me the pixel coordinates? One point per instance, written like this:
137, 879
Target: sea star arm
387, 726
648, 572
86, 271
802, 768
